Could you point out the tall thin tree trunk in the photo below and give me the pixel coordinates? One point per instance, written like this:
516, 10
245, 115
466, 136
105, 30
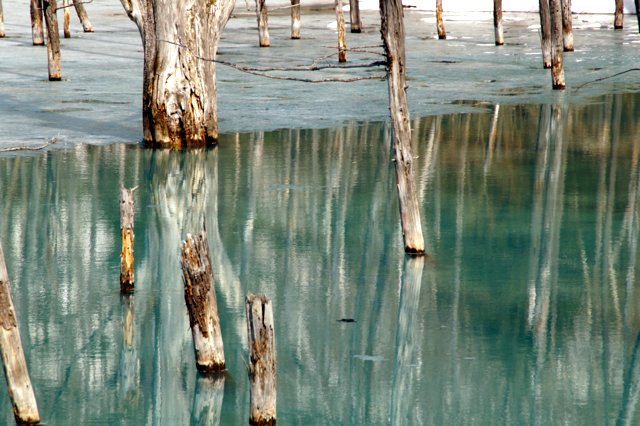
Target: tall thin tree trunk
179, 76
637, 3
342, 43
392, 31
37, 34
263, 23
545, 33
53, 40
65, 14
497, 22
567, 26
2, 34
618, 21
354, 15
442, 34
295, 19
82, 15
557, 65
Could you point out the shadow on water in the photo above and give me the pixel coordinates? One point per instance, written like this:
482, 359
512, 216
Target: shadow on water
525, 312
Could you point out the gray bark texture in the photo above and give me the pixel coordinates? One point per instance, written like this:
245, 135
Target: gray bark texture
392, 31
180, 41
545, 33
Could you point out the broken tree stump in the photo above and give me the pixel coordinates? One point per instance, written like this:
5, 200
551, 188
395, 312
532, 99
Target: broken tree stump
557, 46
497, 22
545, 33
53, 40
16, 372
82, 15
263, 23
618, 19
567, 26
295, 19
354, 16
202, 307
37, 34
442, 34
262, 359
392, 30
126, 231
342, 43
65, 14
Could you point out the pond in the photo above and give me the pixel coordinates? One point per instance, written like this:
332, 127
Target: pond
524, 312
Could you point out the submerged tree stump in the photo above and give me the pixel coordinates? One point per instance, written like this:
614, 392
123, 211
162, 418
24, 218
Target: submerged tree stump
82, 15
392, 30
16, 372
557, 65
618, 20
263, 23
342, 43
354, 16
442, 34
295, 19
262, 359
53, 40
497, 22
545, 33
37, 34
126, 231
567, 26
200, 298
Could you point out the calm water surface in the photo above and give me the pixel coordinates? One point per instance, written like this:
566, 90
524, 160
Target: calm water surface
525, 312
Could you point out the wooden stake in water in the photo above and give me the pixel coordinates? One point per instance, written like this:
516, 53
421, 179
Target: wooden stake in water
82, 15
557, 66
53, 40
545, 33
37, 34
567, 26
442, 34
392, 30
618, 20
263, 23
295, 19
16, 372
354, 16
497, 22
126, 231
200, 298
342, 43
262, 359
65, 14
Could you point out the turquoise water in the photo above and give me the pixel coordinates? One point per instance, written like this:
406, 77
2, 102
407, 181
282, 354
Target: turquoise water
525, 312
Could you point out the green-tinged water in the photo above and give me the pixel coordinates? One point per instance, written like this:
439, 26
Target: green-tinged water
525, 312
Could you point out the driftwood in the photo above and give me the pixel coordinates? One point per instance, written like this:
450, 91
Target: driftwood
53, 40
16, 372
295, 19
263, 23
262, 360
126, 231
29, 148
202, 307
442, 34
37, 34
342, 43
354, 16
567, 26
497, 22
557, 46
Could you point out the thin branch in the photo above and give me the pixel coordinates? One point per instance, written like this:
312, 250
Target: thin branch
30, 148
606, 78
73, 4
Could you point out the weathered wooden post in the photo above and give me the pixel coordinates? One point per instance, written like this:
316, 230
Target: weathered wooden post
342, 44
65, 14
126, 231
263, 22
53, 40
567, 26
442, 34
497, 22
557, 66
200, 298
392, 31
618, 20
262, 359
2, 34
82, 15
545, 33
295, 19
37, 34
16, 372
354, 16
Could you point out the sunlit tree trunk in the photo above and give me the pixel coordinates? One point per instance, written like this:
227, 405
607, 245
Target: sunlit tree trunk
1, 21
619, 15
65, 14
295, 19
497, 22
82, 15
567, 26
354, 15
442, 34
263, 23
37, 34
342, 43
557, 65
180, 41
53, 40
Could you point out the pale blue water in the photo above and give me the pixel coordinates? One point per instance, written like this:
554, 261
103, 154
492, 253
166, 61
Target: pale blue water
525, 312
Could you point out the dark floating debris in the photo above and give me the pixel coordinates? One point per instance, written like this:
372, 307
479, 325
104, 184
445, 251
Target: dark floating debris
346, 320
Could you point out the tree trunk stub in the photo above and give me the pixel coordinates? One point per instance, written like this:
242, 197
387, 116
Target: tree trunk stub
179, 81
53, 40
126, 231
295, 19
354, 16
202, 306
262, 359
82, 15
342, 43
25, 409
567, 26
37, 34
263, 23
557, 66
497, 22
442, 34
545, 30
392, 30
618, 20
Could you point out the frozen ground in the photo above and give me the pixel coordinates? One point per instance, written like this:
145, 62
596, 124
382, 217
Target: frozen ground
99, 99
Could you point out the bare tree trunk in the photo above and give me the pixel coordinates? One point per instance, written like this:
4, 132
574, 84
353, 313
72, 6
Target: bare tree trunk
557, 66
342, 44
637, 4
37, 34
53, 40
16, 372
295, 19
497, 22
392, 31
200, 298
179, 78
545, 30
126, 231
442, 34
354, 16
65, 14
262, 359
82, 15
618, 21
567, 26
263, 22
2, 34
